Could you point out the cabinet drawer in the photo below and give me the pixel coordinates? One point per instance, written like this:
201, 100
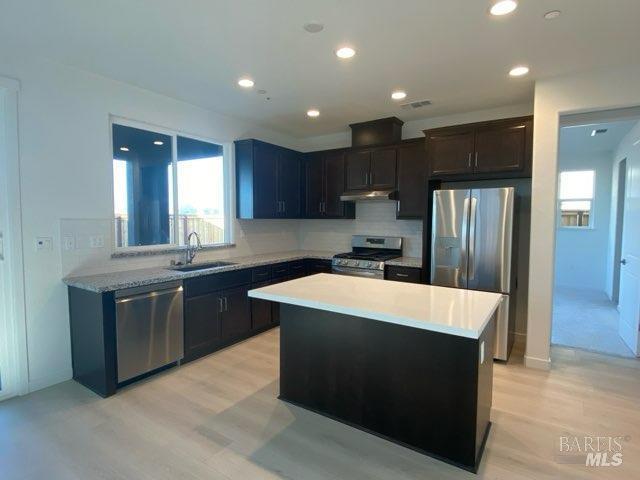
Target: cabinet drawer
297, 269
403, 274
279, 270
318, 266
261, 274
216, 281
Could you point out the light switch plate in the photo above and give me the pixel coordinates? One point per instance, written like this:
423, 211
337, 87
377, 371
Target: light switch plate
96, 241
44, 244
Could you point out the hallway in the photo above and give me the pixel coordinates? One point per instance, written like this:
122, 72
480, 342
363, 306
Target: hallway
586, 319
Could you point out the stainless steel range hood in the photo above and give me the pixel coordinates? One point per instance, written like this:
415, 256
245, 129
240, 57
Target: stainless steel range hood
370, 195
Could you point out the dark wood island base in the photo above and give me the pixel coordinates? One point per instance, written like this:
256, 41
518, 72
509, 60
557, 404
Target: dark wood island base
425, 390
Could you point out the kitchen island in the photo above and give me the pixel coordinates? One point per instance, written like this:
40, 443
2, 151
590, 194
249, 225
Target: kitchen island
407, 362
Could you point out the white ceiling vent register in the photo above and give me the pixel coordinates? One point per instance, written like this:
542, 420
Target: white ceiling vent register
414, 105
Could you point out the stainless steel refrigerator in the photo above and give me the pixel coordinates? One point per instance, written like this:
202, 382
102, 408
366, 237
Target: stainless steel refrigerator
472, 246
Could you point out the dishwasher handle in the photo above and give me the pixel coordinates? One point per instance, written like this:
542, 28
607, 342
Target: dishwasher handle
155, 293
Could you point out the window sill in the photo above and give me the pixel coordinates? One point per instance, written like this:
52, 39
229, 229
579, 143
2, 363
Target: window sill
166, 251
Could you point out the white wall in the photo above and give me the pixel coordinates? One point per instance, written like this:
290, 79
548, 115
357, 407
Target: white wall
583, 92
414, 128
582, 254
66, 173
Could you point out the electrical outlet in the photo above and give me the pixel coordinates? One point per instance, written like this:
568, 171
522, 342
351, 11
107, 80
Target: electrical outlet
68, 242
96, 241
44, 244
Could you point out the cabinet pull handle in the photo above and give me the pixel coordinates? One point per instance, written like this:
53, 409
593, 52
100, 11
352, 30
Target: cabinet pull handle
403, 275
398, 207
476, 161
220, 304
284, 206
365, 178
226, 305
469, 161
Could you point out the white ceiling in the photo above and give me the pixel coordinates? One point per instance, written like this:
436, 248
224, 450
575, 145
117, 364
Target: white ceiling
578, 139
448, 51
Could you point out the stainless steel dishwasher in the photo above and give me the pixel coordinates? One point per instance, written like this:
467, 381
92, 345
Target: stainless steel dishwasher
149, 328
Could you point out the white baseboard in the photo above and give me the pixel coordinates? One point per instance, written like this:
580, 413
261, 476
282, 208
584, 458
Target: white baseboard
52, 379
537, 363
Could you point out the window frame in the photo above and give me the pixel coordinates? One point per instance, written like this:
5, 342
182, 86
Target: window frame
226, 183
559, 201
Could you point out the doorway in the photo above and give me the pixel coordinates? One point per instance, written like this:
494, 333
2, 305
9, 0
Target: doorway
592, 194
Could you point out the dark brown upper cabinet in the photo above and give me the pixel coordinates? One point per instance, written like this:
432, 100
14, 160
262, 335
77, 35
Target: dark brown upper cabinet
495, 149
412, 179
268, 181
371, 169
324, 183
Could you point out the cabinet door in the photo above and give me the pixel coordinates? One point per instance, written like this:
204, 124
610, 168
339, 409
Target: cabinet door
289, 184
260, 310
412, 180
314, 186
201, 325
383, 169
450, 151
502, 147
236, 317
265, 164
358, 167
334, 184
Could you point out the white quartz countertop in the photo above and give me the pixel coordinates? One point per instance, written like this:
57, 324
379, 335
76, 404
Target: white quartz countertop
464, 313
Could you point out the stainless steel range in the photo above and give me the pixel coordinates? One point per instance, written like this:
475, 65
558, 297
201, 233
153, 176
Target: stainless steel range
367, 256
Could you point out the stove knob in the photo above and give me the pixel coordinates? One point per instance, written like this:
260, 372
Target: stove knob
368, 264
356, 263
342, 262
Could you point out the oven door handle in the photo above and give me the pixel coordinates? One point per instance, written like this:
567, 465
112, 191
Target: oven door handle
356, 272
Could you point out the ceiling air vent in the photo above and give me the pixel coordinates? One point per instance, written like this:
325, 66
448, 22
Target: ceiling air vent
598, 131
414, 105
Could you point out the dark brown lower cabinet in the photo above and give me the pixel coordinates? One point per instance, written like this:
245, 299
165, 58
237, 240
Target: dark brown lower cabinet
261, 310
236, 314
202, 332
403, 274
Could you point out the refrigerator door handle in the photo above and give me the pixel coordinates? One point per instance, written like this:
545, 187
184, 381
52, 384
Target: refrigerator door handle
472, 238
464, 257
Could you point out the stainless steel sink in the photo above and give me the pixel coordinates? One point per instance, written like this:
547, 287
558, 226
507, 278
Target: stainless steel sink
201, 266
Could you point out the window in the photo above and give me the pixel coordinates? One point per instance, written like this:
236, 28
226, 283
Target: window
575, 198
166, 186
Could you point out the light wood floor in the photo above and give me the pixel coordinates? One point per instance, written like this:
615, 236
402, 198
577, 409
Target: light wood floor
219, 418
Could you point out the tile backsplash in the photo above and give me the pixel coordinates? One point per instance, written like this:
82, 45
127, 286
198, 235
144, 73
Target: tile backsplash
372, 218
86, 245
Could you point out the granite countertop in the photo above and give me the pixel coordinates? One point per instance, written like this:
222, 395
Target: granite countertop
414, 262
108, 282
453, 311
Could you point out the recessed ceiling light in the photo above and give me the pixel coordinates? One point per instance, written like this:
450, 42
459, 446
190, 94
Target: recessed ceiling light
246, 82
345, 52
313, 27
519, 71
552, 14
398, 95
124, 149
313, 113
158, 142
503, 7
